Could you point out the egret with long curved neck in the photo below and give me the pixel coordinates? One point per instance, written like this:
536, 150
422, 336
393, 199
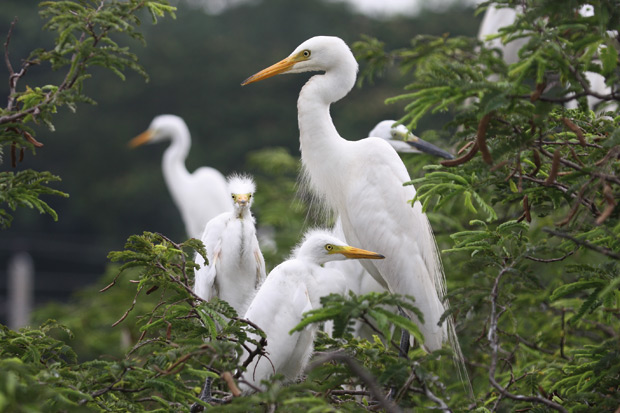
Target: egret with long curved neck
200, 195
362, 181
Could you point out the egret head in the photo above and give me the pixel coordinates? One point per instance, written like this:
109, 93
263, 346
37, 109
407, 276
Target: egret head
404, 141
320, 53
319, 247
242, 190
162, 127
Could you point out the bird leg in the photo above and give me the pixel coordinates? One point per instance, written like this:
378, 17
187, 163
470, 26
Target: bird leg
205, 396
404, 344
403, 350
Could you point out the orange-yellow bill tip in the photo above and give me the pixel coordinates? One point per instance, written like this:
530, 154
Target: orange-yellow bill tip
141, 139
275, 69
352, 252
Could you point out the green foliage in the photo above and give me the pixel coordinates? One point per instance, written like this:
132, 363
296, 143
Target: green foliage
23, 189
534, 287
344, 311
83, 32
531, 245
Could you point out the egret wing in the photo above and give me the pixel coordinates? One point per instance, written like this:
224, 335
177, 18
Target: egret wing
379, 210
206, 277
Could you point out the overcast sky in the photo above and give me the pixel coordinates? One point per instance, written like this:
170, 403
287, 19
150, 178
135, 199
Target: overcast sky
409, 7
380, 8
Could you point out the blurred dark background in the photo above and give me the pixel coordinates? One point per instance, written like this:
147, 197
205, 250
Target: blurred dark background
196, 63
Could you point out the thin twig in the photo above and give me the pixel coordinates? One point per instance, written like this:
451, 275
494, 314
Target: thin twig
376, 330
133, 304
481, 136
494, 343
258, 351
565, 189
565, 162
529, 257
359, 371
230, 382
601, 250
465, 158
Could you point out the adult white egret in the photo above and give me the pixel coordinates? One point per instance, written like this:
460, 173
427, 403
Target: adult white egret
291, 289
199, 196
236, 266
362, 181
359, 281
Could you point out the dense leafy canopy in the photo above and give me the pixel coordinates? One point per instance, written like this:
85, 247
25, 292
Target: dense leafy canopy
527, 219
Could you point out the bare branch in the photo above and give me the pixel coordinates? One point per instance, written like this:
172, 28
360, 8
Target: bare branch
133, 304
549, 259
494, 342
465, 158
563, 188
481, 138
230, 382
363, 374
609, 178
602, 250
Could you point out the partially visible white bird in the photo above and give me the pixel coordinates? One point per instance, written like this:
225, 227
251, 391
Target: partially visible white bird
404, 141
497, 17
199, 196
493, 20
291, 289
236, 266
362, 181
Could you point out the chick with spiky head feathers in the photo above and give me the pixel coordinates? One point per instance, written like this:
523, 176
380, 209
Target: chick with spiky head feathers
291, 289
236, 266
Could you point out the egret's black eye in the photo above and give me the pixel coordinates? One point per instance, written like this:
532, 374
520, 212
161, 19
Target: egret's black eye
249, 196
329, 247
233, 197
306, 53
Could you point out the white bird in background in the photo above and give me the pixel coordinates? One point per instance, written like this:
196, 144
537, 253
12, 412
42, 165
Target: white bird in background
362, 181
359, 281
236, 266
199, 196
494, 19
404, 141
497, 17
291, 289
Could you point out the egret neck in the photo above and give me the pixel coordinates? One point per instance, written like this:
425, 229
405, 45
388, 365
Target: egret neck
319, 140
173, 163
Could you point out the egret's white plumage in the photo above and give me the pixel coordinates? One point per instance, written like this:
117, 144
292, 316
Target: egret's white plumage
236, 266
404, 141
199, 196
493, 20
359, 281
362, 181
291, 289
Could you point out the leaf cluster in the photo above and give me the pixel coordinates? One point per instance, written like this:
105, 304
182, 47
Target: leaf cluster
84, 33
533, 276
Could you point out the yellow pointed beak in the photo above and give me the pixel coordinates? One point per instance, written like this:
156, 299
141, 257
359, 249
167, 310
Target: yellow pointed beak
141, 139
282, 66
352, 252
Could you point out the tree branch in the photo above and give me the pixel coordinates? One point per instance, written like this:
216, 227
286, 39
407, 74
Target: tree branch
363, 374
586, 244
493, 338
